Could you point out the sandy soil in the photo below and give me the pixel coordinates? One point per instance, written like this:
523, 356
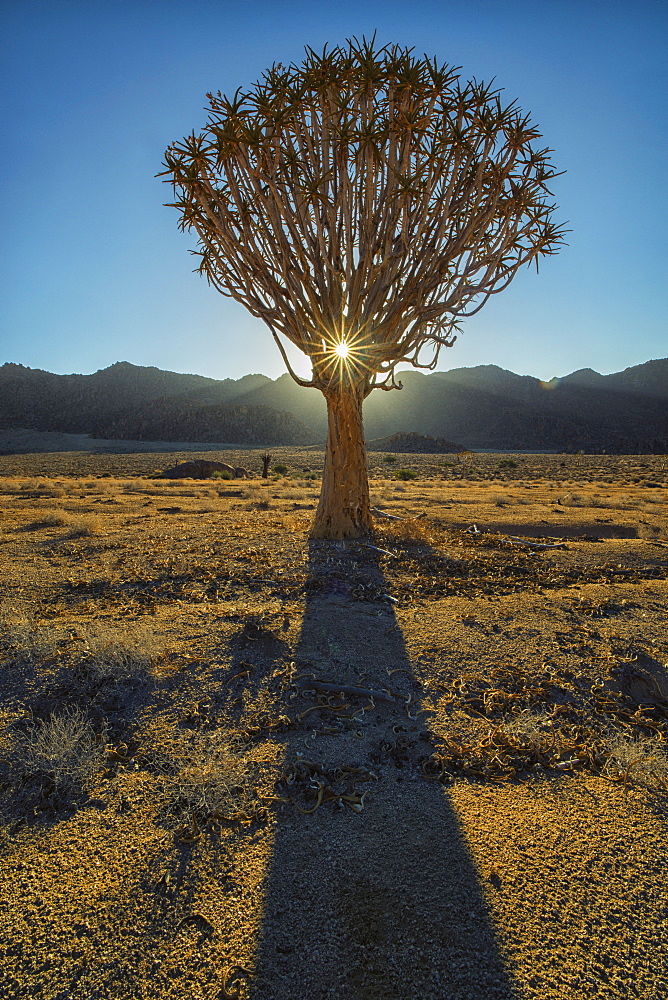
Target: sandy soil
238, 764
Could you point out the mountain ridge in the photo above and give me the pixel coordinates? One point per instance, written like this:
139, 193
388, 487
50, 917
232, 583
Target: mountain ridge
483, 407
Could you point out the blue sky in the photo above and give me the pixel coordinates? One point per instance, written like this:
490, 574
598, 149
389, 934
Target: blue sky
94, 269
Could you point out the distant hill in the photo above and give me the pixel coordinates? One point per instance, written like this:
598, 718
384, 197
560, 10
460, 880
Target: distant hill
130, 402
485, 407
415, 444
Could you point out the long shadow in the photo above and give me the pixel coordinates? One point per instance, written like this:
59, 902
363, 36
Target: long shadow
382, 903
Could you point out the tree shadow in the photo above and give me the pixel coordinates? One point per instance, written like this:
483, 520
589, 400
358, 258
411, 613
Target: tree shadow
384, 901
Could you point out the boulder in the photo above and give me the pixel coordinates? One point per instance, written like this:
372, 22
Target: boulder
201, 469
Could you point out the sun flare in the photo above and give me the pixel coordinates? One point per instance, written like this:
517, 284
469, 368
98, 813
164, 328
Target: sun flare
343, 357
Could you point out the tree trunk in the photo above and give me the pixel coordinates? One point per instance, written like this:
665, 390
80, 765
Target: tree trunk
344, 510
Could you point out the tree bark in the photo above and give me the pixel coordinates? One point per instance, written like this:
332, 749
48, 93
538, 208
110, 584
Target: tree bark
344, 510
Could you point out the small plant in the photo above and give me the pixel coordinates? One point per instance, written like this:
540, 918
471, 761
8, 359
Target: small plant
206, 781
79, 527
112, 658
280, 470
222, 474
406, 474
32, 485
535, 731
644, 760
572, 500
24, 640
390, 459
507, 463
63, 753
83, 527
409, 532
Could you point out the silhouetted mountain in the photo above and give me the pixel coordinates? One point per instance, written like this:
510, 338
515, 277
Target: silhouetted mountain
415, 444
586, 377
146, 404
169, 419
484, 407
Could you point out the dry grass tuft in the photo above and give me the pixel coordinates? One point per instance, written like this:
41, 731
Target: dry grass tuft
113, 657
61, 754
83, 527
52, 520
533, 730
642, 759
23, 639
408, 532
205, 781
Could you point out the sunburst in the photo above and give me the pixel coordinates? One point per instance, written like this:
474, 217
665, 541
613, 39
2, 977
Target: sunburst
344, 358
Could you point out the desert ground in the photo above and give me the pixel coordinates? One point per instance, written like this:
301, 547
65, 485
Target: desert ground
427, 766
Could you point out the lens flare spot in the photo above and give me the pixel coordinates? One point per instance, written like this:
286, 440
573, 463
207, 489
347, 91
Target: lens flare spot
342, 350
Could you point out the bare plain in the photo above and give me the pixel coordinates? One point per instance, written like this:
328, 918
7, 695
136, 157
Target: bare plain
236, 763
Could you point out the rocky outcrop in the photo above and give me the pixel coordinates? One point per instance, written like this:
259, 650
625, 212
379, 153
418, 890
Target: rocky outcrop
201, 469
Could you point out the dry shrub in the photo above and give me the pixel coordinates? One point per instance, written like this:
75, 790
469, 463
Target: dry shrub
500, 500
77, 527
105, 484
205, 781
61, 754
110, 656
380, 497
643, 759
32, 485
533, 730
411, 531
25, 640
573, 500
83, 527
293, 494
649, 501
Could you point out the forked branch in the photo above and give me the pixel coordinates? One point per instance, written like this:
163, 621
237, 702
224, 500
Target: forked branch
365, 197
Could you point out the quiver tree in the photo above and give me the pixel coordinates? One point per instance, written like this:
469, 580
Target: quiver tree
362, 204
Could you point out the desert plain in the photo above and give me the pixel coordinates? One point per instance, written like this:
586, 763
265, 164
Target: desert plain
430, 765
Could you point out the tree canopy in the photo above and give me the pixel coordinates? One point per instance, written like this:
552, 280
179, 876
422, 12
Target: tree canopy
365, 197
